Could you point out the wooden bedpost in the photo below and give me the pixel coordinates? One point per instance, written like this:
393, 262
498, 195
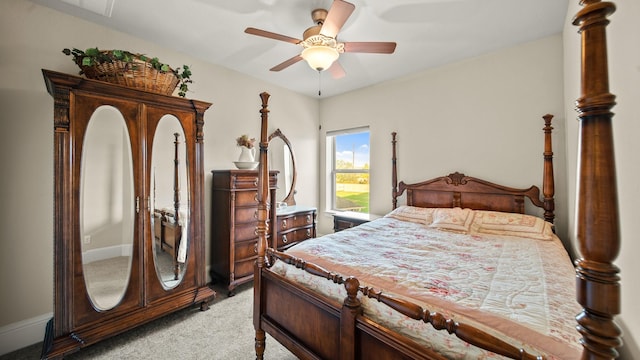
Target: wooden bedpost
350, 310
548, 182
263, 227
597, 281
176, 206
394, 171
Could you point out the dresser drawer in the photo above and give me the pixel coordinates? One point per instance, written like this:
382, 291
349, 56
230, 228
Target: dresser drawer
246, 231
244, 267
347, 219
246, 250
339, 224
292, 237
295, 220
247, 198
246, 214
246, 181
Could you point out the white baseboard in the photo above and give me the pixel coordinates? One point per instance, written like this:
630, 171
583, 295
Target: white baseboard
108, 252
30, 331
23, 333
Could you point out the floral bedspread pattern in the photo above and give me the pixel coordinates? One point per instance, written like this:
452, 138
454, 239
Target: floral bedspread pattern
519, 289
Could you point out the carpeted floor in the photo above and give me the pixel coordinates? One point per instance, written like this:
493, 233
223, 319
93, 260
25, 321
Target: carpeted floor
225, 331
107, 280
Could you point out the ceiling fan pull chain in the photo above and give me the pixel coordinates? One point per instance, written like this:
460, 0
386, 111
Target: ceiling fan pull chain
319, 83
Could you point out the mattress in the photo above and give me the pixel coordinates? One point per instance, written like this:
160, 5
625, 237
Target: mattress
506, 274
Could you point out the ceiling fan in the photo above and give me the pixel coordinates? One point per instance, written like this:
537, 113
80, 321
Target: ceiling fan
321, 48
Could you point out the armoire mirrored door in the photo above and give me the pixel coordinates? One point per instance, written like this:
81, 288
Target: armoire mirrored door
107, 228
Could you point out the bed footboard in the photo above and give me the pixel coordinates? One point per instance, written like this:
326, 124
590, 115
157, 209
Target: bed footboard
293, 315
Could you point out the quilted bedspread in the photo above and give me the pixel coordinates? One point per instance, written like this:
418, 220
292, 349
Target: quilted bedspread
519, 289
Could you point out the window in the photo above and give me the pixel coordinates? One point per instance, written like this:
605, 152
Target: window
348, 162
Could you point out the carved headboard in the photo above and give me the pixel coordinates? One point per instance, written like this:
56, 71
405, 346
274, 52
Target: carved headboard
459, 190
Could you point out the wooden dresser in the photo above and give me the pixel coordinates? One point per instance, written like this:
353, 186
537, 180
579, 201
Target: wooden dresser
234, 208
294, 224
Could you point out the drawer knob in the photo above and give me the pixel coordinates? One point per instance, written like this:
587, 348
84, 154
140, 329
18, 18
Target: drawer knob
255, 182
284, 239
284, 223
308, 219
308, 233
255, 214
255, 248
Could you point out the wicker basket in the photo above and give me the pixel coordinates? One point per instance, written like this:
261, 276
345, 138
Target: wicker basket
137, 74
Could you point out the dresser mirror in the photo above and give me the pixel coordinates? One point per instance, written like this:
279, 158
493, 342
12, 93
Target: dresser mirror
107, 207
281, 158
169, 201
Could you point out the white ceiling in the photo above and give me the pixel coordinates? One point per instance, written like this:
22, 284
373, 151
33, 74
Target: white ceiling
428, 33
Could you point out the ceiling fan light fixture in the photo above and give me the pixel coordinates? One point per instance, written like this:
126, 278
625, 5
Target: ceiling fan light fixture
320, 57
320, 46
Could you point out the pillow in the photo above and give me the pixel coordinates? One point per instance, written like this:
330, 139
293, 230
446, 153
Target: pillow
512, 224
452, 219
412, 214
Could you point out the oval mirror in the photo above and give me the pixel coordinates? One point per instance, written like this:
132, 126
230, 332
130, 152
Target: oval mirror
281, 158
107, 210
169, 201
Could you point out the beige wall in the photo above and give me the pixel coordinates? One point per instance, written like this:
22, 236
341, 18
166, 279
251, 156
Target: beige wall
31, 38
624, 70
481, 116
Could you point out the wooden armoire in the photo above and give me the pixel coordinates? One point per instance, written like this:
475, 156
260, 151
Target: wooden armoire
121, 154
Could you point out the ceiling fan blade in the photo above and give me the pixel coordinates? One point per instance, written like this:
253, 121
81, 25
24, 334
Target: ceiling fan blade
336, 17
286, 63
337, 71
370, 47
272, 35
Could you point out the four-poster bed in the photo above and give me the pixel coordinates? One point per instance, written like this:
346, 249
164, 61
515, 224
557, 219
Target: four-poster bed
313, 325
